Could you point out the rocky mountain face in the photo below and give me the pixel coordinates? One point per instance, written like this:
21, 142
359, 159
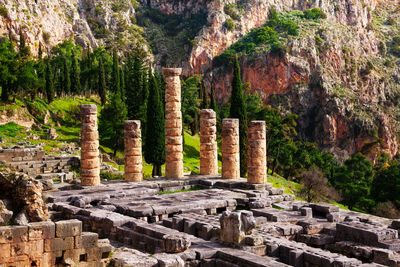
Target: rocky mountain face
340, 74
91, 23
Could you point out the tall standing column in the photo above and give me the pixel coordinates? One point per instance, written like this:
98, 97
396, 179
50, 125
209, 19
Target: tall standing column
173, 124
133, 151
230, 149
256, 169
208, 142
90, 162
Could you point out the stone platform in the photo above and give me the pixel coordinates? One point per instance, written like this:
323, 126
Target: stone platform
154, 217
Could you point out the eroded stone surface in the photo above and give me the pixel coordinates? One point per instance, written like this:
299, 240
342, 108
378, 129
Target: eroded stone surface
90, 162
230, 149
208, 142
133, 151
173, 124
257, 153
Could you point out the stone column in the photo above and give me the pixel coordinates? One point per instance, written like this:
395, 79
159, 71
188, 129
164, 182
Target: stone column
208, 142
173, 124
133, 151
90, 161
230, 149
256, 169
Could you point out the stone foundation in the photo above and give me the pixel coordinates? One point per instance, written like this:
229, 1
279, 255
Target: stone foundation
257, 157
90, 161
133, 151
230, 149
208, 142
173, 123
52, 244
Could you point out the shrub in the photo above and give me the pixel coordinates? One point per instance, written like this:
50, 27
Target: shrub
396, 45
3, 11
230, 9
314, 13
387, 209
229, 24
46, 37
111, 176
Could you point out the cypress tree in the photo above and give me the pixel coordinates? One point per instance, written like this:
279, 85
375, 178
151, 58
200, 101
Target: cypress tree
213, 104
122, 84
75, 75
238, 110
49, 83
24, 51
102, 83
66, 79
154, 151
204, 97
115, 80
111, 122
40, 52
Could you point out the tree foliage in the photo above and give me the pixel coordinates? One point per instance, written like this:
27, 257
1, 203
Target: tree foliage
154, 151
238, 110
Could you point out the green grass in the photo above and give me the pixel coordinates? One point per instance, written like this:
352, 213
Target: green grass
12, 129
194, 188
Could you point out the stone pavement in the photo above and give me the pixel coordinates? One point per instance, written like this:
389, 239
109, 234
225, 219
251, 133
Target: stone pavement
154, 217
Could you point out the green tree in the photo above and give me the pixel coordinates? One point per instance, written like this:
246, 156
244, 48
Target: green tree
111, 122
204, 97
49, 87
102, 86
154, 152
8, 68
75, 75
66, 79
115, 80
238, 110
190, 110
24, 51
354, 180
137, 92
386, 184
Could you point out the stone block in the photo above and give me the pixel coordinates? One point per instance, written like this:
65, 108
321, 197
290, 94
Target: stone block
86, 240
41, 230
59, 244
13, 234
68, 228
175, 243
305, 211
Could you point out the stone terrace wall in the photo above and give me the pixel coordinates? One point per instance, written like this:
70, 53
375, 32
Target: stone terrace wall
33, 161
26, 153
52, 244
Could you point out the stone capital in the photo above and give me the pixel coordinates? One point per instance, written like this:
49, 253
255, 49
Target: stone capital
171, 71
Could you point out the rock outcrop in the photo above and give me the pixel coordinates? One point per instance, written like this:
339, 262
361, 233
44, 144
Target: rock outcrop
24, 196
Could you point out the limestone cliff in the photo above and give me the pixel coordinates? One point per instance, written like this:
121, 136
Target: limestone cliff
340, 75
90, 23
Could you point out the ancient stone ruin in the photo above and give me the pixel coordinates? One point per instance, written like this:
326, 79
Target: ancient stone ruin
173, 123
257, 150
208, 142
90, 162
230, 149
209, 219
133, 151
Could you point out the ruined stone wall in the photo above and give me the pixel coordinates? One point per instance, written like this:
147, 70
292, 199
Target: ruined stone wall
48, 244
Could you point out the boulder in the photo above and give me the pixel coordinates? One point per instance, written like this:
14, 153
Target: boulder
5, 214
175, 243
